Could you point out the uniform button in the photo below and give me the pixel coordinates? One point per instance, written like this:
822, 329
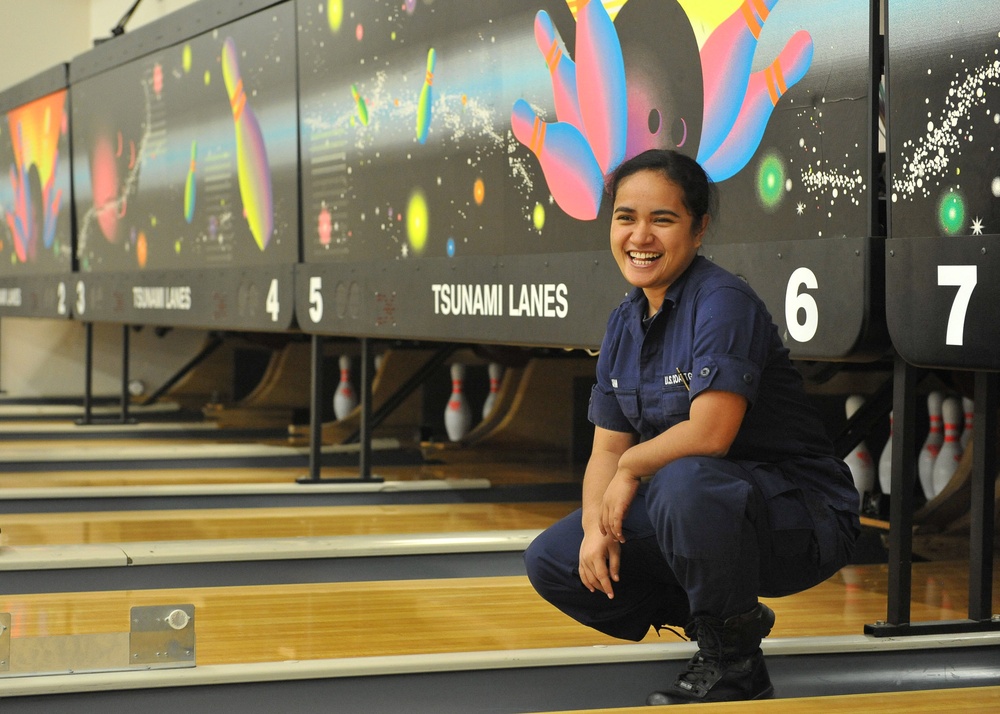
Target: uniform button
748, 378
705, 371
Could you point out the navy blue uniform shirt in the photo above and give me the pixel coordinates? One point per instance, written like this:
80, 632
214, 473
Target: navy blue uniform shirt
714, 332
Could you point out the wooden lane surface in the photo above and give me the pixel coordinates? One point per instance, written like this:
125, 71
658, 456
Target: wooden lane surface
331, 620
936, 701
305, 521
499, 474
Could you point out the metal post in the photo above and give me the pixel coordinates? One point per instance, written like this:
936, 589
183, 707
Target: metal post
365, 442
901, 491
984, 473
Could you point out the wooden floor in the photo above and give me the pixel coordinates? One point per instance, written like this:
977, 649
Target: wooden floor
261, 624
217, 523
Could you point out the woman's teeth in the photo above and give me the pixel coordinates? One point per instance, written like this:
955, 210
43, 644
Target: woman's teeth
643, 258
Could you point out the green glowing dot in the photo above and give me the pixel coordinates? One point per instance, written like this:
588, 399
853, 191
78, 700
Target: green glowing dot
335, 14
186, 58
771, 181
951, 212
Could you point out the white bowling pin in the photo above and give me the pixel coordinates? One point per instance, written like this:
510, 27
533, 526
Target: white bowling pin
344, 399
968, 406
860, 458
885, 463
932, 444
951, 450
495, 372
457, 416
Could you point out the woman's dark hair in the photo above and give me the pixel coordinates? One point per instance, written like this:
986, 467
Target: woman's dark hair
701, 196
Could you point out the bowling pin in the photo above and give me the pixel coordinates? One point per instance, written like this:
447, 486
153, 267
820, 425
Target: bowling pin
189, 185
885, 463
426, 98
950, 454
495, 371
968, 406
253, 170
562, 69
600, 84
726, 60
860, 458
571, 171
344, 399
764, 90
932, 445
457, 416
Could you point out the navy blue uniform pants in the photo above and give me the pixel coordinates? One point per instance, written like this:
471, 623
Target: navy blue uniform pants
704, 536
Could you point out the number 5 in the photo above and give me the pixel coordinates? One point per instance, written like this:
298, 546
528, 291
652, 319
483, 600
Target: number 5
965, 278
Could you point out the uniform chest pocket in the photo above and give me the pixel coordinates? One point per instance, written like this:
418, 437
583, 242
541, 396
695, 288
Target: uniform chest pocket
675, 404
628, 400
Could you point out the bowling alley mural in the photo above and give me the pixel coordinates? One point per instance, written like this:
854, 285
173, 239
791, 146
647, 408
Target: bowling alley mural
448, 129
186, 158
945, 118
35, 193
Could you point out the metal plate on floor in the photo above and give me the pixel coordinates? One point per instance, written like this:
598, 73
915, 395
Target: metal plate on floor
162, 636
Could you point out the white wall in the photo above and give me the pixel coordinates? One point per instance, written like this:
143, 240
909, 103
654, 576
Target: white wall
44, 358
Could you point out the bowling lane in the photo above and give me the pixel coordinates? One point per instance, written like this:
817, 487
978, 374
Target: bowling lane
170, 525
326, 620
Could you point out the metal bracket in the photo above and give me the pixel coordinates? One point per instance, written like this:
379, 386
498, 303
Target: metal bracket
162, 635
4, 641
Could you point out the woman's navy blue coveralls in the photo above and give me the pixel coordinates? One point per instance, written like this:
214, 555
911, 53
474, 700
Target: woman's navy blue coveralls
706, 535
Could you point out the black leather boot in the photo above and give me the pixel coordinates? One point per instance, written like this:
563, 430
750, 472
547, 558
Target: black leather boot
729, 665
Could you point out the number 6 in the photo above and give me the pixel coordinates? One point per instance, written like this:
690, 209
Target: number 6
795, 301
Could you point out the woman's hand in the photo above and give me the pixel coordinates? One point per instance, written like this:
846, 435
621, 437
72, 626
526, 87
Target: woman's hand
617, 499
599, 560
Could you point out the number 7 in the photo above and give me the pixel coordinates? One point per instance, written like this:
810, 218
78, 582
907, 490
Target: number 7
965, 278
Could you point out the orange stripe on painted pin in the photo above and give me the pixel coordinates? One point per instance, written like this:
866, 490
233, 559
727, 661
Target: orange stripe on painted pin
775, 82
553, 56
761, 9
752, 24
537, 136
238, 100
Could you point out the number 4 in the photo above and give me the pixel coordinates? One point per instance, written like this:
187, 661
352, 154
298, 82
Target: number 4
965, 278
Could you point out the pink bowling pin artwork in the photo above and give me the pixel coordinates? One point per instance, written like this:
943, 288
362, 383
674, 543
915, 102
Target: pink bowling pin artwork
424, 104
253, 170
726, 59
570, 168
589, 137
764, 90
600, 83
562, 69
